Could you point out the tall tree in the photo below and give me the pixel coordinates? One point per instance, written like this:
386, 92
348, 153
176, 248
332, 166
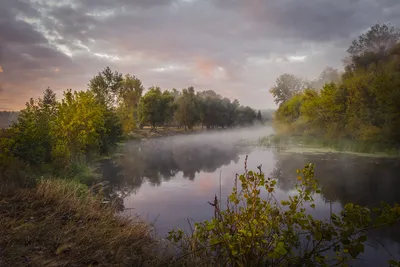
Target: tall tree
379, 38
259, 117
79, 125
32, 140
130, 93
155, 107
187, 112
287, 85
106, 86
371, 47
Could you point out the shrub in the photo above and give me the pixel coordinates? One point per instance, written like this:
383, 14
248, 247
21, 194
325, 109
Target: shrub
256, 230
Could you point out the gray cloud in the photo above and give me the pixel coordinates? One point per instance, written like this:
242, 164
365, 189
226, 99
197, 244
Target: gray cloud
235, 47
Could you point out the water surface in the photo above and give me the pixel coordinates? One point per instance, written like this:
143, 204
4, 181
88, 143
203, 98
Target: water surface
169, 180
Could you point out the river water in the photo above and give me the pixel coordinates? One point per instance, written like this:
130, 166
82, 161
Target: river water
170, 180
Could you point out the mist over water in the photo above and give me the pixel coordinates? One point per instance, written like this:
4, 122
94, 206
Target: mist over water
168, 180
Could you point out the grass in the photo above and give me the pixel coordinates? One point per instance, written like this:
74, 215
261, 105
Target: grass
60, 223
80, 171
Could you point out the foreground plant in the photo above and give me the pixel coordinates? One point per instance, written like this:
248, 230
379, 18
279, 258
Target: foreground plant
62, 223
254, 229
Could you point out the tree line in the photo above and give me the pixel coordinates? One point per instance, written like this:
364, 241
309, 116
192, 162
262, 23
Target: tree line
362, 103
85, 123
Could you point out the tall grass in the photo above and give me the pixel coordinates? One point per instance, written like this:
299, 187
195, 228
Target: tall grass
60, 223
79, 170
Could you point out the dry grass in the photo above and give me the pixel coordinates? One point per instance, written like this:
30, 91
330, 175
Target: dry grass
59, 223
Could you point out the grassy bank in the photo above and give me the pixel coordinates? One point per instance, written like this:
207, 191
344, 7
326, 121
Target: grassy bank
148, 132
60, 223
308, 144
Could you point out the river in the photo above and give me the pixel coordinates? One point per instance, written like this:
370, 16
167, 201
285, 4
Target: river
170, 180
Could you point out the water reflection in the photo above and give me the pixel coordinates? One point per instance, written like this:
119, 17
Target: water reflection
171, 179
344, 178
158, 160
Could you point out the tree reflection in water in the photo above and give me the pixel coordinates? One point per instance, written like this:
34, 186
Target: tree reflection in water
157, 161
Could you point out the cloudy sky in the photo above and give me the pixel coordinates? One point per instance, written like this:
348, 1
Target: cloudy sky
236, 47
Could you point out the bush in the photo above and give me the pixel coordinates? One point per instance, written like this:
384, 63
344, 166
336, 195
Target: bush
79, 170
14, 174
256, 230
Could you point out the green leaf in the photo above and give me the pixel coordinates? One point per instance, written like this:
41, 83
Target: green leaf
210, 226
349, 206
280, 249
318, 236
356, 250
362, 238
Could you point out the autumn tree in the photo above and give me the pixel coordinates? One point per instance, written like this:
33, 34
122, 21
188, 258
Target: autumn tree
364, 105
79, 126
129, 96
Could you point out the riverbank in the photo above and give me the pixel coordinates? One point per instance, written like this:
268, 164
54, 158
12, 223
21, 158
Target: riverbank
312, 145
60, 223
148, 132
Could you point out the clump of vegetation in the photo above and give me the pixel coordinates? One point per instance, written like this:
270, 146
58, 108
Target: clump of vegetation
60, 223
188, 109
255, 229
56, 137
290, 142
361, 104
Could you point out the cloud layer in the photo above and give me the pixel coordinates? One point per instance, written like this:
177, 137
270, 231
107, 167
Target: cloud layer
235, 47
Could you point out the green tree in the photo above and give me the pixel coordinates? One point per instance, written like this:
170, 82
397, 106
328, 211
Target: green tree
371, 47
231, 111
364, 105
259, 117
79, 126
31, 138
109, 89
246, 116
106, 86
209, 112
379, 38
156, 107
130, 94
187, 112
